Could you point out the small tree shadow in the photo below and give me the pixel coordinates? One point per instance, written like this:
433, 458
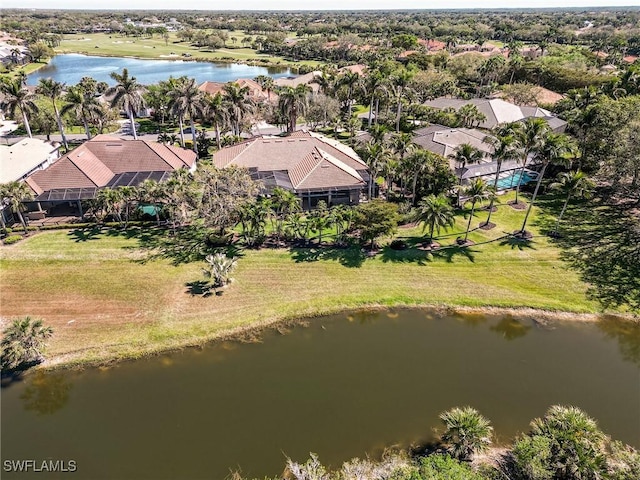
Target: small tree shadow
85, 234
517, 243
410, 255
200, 288
449, 253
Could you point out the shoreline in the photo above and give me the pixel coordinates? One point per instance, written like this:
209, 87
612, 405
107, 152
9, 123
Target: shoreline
284, 64
248, 333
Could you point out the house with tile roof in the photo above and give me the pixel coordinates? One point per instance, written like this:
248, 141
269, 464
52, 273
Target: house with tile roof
444, 141
105, 161
311, 165
256, 92
498, 111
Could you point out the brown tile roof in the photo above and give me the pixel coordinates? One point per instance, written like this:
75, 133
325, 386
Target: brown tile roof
211, 87
310, 160
96, 162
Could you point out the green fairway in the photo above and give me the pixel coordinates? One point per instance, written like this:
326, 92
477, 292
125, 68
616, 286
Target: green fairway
114, 45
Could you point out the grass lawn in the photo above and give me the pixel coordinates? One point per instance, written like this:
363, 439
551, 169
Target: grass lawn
104, 302
114, 45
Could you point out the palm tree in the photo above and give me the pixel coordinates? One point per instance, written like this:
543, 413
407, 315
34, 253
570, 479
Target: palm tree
435, 213
529, 135
467, 432
127, 95
266, 83
187, 100
374, 85
578, 446
554, 148
470, 116
504, 148
18, 97
465, 154
154, 193
293, 102
53, 90
399, 83
320, 219
84, 106
284, 203
215, 111
239, 105
219, 269
376, 156
111, 202
22, 342
350, 81
13, 194
475, 192
571, 184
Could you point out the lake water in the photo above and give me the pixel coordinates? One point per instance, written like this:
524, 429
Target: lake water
343, 386
70, 68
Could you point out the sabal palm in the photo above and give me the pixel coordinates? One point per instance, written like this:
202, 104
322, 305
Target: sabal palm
127, 95
529, 135
13, 194
215, 111
293, 102
23, 342
578, 446
475, 192
467, 432
239, 105
572, 184
53, 90
465, 154
83, 105
16, 96
436, 213
554, 148
187, 100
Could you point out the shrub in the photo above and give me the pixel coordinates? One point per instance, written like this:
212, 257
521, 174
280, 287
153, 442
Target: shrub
6, 231
22, 343
11, 239
467, 432
398, 245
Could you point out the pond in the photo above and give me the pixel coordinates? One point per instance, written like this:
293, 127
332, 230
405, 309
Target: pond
341, 386
70, 68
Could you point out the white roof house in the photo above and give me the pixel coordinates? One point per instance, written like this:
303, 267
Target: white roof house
497, 111
17, 161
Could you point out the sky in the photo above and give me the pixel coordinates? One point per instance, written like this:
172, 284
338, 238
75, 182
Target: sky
304, 5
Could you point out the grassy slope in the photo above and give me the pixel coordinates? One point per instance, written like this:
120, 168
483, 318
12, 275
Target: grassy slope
120, 46
121, 307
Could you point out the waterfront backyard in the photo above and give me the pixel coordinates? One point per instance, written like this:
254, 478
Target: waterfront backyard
107, 299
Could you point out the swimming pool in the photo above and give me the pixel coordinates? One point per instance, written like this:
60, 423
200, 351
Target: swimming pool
512, 180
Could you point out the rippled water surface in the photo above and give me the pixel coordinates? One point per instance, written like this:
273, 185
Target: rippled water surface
70, 68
